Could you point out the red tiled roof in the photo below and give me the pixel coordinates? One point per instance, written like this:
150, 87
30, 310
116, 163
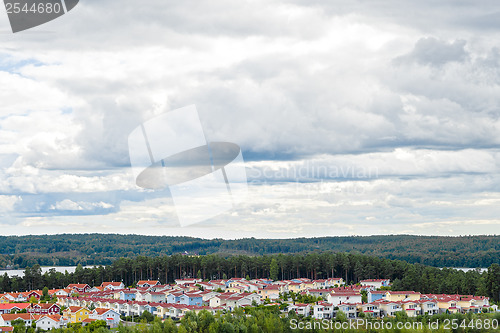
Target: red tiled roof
55, 317
374, 280
23, 316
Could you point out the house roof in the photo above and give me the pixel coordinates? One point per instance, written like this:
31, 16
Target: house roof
114, 284
346, 293
43, 305
77, 285
101, 311
403, 292
23, 316
150, 282
88, 320
9, 306
374, 280
73, 309
55, 317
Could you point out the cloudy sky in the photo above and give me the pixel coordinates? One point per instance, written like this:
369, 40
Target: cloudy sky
354, 117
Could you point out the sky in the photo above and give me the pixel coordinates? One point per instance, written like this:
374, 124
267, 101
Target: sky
353, 117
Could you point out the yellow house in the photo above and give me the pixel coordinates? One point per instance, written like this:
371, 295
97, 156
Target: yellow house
235, 289
76, 314
295, 287
395, 296
306, 285
461, 303
412, 308
448, 305
3, 299
472, 303
271, 292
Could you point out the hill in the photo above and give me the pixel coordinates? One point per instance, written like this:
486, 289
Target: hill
103, 249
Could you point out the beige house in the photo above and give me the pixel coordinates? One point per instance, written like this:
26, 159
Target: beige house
395, 296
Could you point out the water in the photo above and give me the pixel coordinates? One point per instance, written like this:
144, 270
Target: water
20, 272
464, 269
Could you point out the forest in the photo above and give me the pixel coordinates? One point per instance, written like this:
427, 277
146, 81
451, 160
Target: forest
350, 266
103, 249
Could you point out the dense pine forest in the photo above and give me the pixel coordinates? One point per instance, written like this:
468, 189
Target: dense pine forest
101, 249
351, 267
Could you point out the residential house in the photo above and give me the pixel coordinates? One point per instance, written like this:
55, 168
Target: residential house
147, 284
389, 308
44, 309
319, 292
127, 295
174, 297
111, 317
327, 283
376, 283
76, 314
160, 287
15, 297
208, 295
323, 310
49, 322
395, 296
191, 299
79, 287
63, 292
412, 308
243, 299
295, 287
429, 307
187, 281
344, 297
375, 295
7, 319
370, 309
155, 297
271, 291
206, 286
138, 308
34, 293
112, 285
13, 307
350, 310
235, 288
300, 309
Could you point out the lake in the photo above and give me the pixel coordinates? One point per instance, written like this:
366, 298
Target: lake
20, 272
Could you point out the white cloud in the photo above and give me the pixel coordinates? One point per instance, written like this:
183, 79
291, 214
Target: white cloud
397, 103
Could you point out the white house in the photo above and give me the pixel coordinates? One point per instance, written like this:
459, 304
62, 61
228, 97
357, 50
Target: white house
111, 317
6, 319
112, 285
300, 309
323, 310
155, 297
48, 322
344, 297
371, 309
376, 283
350, 310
